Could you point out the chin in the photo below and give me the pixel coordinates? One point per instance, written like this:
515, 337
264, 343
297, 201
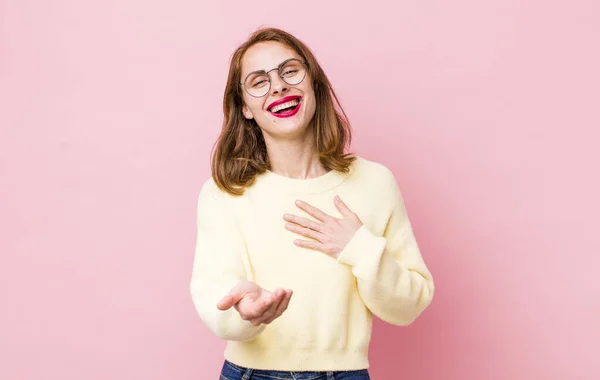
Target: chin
285, 131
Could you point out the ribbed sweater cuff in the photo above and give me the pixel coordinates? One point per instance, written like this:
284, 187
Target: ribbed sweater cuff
363, 245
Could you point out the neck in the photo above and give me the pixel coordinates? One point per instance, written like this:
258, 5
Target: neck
296, 158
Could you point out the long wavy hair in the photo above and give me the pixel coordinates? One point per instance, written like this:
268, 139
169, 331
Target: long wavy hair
240, 152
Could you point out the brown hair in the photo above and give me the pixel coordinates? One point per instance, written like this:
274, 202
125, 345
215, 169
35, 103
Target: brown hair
241, 153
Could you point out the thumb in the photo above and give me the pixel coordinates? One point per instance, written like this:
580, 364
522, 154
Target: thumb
229, 300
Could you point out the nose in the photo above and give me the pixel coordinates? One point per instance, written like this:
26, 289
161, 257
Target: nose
277, 84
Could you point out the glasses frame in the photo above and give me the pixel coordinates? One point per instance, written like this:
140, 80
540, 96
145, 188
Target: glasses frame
278, 68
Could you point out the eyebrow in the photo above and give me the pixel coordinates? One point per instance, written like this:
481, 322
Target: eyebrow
263, 71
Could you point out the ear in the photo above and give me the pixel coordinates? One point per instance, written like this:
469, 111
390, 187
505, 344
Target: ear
247, 113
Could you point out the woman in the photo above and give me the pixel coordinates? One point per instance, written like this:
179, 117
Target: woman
288, 211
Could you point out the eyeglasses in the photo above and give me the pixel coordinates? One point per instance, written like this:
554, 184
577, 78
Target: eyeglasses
258, 83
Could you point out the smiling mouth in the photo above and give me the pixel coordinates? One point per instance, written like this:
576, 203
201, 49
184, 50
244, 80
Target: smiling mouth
286, 109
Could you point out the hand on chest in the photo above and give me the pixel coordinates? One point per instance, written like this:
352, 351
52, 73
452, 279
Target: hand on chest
319, 223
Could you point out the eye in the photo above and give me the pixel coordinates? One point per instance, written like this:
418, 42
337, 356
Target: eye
258, 80
289, 72
259, 83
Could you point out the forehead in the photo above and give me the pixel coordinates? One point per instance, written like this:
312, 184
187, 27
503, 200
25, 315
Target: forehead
265, 56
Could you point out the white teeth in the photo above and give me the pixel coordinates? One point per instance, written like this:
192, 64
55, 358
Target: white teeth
291, 103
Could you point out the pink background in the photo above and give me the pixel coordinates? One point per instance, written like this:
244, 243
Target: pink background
486, 111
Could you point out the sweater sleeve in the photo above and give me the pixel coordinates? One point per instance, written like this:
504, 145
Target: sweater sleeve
392, 278
217, 267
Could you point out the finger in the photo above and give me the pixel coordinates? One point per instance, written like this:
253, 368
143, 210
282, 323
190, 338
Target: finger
228, 301
280, 308
256, 311
342, 207
283, 305
267, 314
263, 305
276, 298
310, 244
304, 231
225, 303
313, 211
254, 308
303, 222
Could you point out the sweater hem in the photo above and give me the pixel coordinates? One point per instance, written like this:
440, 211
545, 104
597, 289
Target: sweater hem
310, 359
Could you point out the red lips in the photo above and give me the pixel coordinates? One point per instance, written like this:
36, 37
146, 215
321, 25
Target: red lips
289, 113
283, 100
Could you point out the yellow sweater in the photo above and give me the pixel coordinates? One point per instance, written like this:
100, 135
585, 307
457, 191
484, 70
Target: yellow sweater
327, 325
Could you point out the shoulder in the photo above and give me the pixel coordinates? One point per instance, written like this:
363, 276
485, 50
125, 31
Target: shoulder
214, 201
370, 170
209, 188
210, 192
376, 179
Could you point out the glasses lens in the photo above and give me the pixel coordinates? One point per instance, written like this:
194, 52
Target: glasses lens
293, 72
257, 84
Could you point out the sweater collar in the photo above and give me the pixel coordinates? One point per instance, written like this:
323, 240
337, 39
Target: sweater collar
314, 185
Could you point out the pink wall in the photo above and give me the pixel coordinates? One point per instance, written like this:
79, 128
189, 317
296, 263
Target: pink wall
488, 113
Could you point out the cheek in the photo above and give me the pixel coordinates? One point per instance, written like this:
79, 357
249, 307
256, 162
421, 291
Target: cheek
254, 106
310, 106
311, 99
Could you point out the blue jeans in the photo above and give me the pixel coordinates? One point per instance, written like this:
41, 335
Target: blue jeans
232, 371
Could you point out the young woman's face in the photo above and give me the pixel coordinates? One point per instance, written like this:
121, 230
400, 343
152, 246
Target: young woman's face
299, 98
